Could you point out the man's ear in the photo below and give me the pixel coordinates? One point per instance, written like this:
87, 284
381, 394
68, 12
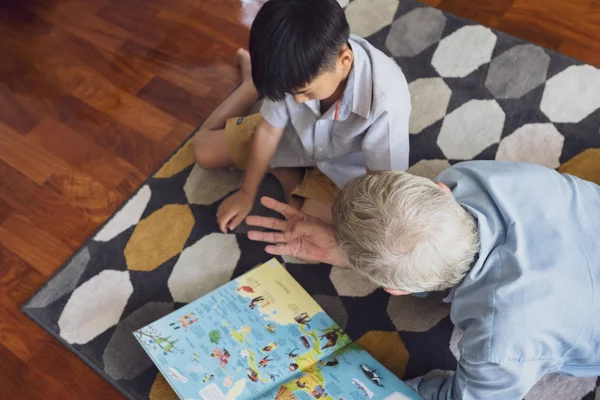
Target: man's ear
444, 187
396, 292
346, 57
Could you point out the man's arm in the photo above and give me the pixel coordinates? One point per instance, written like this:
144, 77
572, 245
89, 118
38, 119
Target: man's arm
477, 379
386, 142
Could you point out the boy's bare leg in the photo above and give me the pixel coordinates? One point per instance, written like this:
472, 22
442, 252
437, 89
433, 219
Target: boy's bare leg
289, 178
210, 147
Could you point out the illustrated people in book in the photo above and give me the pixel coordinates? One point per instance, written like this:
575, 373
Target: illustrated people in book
515, 247
223, 356
334, 108
184, 321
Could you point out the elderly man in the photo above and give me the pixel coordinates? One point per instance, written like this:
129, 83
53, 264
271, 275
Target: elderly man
518, 246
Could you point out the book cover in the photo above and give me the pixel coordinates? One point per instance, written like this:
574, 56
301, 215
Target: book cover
261, 336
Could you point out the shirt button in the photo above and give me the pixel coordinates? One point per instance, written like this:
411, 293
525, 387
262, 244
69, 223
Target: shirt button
320, 122
320, 150
302, 162
322, 164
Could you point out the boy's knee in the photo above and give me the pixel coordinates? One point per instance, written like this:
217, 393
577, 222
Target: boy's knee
203, 152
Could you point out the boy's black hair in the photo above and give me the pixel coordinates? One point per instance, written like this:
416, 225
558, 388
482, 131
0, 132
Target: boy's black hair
292, 41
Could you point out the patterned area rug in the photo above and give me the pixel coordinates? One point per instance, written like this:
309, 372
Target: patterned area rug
476, 93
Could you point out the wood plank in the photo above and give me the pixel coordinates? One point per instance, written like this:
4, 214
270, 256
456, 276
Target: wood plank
34, 162
101, 94
41, 250
175, 101
79, 152
18, 333
13, 271
87, 194
59, 364
44, 207
117, 70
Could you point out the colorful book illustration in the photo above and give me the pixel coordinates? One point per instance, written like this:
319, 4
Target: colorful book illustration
261, 336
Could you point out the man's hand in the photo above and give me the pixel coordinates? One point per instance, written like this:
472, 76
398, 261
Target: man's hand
233, 210
299, 235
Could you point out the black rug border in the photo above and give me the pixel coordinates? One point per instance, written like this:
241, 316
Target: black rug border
55, 335
101, 372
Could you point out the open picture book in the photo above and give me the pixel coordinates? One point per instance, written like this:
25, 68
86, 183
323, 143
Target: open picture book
261, 336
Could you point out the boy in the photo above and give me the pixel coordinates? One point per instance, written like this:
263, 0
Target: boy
335, 107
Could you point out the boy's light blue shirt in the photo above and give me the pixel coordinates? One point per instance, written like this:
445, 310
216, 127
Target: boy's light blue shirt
530, 305
370, 129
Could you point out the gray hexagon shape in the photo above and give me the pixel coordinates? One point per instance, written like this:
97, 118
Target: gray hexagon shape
65, 281
123, 357
334, 307
204, 187
517, 71
429, 98
414, 314
470, 129
415, 31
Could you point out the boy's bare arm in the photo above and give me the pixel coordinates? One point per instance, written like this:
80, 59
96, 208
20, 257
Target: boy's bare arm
264, 144
236, 207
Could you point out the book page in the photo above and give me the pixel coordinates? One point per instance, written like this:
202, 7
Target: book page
243, 339
349, 374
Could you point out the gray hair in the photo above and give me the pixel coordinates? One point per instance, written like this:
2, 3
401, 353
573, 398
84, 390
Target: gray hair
404, 232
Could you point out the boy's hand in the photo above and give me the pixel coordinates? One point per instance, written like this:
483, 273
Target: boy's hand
233, 210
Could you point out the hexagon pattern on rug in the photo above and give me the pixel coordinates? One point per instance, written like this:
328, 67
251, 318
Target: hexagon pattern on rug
415, 31
65, 281
540, 144
558, 386
463, 51
126, 217
430, 309
204, 266
123, 357
334, 307
429, 98
183, 158
470, 129
350, 283
585, 165
517, 71
368, 16
207, 186
429, 169
387, 348
159, 237
572, 95
95, 306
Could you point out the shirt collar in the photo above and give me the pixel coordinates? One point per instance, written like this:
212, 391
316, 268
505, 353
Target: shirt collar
360, 83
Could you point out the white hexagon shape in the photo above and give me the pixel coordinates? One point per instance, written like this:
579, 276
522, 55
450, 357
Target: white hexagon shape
572, 94
429, 98
126, 217
534, 143
95, 306
429, 169
517, 71
350, 283
464, 51
470, 129
204, 266
415, 31
368, 16
343, 3
207, 186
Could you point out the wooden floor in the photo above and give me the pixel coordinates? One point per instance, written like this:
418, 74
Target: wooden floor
95, 94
